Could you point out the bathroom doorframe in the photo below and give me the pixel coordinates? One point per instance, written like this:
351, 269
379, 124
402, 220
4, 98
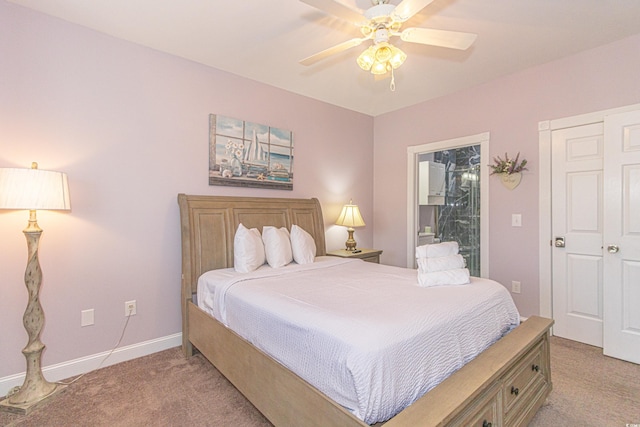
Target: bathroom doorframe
413, 152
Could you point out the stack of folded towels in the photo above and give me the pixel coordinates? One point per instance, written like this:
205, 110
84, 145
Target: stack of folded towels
441, 264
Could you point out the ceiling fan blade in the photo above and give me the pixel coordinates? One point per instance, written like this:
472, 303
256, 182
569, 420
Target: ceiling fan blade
442, 38
407, 8
335, 8
333, 50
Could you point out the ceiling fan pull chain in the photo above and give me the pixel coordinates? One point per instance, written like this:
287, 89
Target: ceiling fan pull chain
392, 86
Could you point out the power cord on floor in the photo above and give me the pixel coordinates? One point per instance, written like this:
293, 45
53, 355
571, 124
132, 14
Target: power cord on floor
106, 357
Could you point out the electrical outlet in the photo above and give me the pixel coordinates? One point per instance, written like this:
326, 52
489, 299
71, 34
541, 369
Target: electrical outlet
130, 308
86, 317
515, 287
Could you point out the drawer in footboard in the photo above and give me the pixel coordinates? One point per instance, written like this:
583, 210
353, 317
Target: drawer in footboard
526, 384
485, 411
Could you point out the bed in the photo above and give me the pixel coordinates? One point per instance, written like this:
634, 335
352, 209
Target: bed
504, 385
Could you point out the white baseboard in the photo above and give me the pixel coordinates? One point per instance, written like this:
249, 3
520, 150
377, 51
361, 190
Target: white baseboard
79, 366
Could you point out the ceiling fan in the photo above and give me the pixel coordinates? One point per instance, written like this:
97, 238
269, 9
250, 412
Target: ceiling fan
379, 23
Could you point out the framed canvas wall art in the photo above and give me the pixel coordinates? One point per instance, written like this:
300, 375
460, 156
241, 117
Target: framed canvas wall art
247, 154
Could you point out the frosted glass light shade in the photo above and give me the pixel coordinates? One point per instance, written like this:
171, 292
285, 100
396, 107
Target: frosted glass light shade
367, 58
397, 57
33, 189
380, 68
383, 52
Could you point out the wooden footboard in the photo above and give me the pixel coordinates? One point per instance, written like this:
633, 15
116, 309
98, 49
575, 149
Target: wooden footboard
505, 385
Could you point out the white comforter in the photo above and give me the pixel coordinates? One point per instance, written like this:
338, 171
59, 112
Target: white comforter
364, 334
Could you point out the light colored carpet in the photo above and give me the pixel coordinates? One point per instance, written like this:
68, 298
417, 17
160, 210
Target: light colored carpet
590, 389
165, 389
162, 389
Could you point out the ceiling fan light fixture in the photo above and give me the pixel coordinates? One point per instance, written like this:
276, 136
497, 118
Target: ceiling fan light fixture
381, 58
397, 57
367, 58
380, 68
383, 52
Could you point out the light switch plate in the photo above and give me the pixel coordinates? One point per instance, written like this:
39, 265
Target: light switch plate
516, 220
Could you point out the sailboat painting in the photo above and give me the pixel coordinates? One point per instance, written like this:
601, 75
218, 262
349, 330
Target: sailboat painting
246, 154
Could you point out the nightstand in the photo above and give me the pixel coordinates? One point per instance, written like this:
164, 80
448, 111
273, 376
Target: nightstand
368, 255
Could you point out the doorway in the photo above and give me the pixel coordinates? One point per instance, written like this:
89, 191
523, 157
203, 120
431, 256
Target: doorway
450, 212
461, 212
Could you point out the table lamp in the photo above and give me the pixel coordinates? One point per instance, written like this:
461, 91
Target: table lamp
350, 217
32, 189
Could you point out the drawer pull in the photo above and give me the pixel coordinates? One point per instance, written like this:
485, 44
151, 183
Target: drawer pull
515, 390
486, 423
535, 368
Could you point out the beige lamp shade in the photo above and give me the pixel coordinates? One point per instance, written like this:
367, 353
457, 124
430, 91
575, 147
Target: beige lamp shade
33, 189
350, 216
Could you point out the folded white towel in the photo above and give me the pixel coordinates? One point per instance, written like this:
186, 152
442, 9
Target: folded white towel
437, 250
449, 262
458, 276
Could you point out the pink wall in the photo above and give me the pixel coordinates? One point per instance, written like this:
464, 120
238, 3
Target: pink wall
510, 109
129, 125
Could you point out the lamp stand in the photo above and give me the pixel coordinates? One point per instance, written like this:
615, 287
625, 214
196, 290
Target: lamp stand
351, 243
35, 388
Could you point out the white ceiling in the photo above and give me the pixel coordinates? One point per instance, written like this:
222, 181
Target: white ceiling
264, 40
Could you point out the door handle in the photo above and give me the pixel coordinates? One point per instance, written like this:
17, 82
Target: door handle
613, 249
559, 242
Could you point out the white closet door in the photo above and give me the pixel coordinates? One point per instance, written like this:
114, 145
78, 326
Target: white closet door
622, 236
577, 227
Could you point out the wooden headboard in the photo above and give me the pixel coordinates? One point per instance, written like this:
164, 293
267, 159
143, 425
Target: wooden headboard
208, 226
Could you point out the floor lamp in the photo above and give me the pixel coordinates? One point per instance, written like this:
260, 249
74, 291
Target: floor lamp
32, 189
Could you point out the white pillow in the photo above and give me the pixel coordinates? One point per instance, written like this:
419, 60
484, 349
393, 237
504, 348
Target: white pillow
277, 246
302, 245
248, 249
